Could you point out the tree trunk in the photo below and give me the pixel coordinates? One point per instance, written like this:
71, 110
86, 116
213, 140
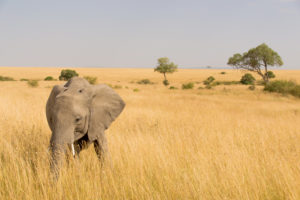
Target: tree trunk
165, 76
266, 77
261, 74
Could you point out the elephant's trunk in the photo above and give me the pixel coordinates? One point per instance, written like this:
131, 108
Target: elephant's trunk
59, 146
57, 154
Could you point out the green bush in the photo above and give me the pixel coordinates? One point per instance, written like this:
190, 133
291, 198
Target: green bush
67, 74
187, 86
32, 83
173, 88
166, 82
209, 80
109, 85
213, 84
227, 82
251, 87
247, 79
145, 82
283, 87
6, 78
118, 87
91, 79
270, 74
49, 78
136, 90
208, 87
223, 73
24, 79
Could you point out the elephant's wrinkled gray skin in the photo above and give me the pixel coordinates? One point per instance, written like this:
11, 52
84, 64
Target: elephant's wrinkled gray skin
78, 114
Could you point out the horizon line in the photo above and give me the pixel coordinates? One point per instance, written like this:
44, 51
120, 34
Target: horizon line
134, 67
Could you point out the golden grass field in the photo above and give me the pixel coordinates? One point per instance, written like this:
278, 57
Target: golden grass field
224, 143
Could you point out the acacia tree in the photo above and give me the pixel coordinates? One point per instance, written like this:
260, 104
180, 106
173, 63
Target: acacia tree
257, 60
165, 66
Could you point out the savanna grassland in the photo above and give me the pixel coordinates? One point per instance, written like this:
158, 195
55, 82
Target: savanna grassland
225, 143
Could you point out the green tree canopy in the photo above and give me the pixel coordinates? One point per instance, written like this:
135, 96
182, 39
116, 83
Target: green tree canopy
256, 59
67, 74
165, 66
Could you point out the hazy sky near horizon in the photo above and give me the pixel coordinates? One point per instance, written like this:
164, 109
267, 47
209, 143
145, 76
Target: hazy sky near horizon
134, 33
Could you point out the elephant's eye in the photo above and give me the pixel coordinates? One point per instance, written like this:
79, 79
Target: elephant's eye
80, 91
77, 119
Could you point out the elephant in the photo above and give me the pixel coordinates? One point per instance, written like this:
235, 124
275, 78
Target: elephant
78, 114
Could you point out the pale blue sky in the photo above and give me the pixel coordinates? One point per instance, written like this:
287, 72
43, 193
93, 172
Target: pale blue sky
134, 33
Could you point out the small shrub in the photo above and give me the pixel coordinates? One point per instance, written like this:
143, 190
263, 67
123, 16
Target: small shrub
209, 80
91, 79
187, 86
227, 82
110, 85
208, 87
173, 88
24, 79
270, 74
200, 88
67, 74
118, 87
145, 82
213, 84
6, 78
251, 87
223, 73
126, 87
166, 82
49, 78
283, 87
247, 79
136, 90
33, 83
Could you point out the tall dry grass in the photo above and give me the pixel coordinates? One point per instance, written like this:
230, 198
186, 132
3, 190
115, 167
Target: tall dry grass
225, 143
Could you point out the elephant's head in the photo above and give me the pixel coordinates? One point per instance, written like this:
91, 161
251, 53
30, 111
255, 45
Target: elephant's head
77, 109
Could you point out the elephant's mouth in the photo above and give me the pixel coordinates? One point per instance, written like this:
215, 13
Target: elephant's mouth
83, 142
78, 134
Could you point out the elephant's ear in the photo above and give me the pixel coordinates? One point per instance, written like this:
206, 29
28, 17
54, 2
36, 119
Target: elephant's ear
106, 106
51, 100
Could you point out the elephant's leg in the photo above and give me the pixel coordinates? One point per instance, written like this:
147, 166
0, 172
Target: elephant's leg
101, 148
